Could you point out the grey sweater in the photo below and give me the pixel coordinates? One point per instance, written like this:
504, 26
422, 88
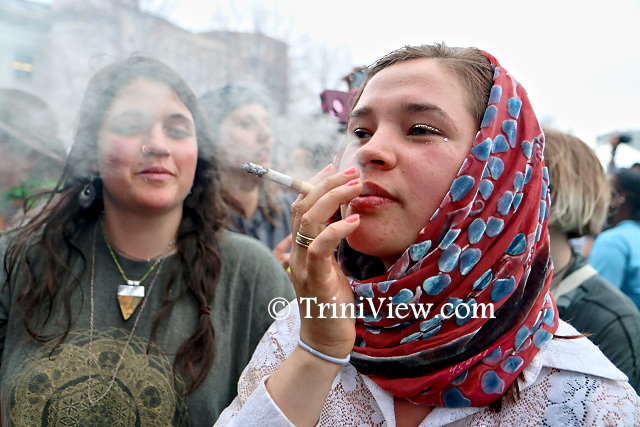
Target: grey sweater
41, 388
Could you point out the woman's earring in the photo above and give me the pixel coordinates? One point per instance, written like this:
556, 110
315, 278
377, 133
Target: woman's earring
87, 194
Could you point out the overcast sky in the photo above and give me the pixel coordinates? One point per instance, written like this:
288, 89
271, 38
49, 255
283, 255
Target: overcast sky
578, 60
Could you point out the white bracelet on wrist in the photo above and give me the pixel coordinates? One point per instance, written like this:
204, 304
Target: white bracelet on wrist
326, 357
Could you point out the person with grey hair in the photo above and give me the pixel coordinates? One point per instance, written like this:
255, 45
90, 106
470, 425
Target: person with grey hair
239, 118
586, 300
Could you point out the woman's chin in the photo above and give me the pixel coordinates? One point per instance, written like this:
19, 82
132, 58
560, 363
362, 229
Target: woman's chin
368, 244
160, 204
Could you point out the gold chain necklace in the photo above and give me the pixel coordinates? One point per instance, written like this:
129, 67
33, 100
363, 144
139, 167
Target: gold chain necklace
93, 401
131, 293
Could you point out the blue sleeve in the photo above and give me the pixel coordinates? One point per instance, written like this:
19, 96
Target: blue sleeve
608, 255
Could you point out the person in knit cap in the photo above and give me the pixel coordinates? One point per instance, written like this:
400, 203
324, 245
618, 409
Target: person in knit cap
239, 117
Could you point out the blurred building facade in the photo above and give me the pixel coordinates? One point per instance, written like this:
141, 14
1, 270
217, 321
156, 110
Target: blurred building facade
52, 49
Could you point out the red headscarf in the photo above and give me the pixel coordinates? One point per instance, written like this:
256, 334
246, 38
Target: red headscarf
486, 244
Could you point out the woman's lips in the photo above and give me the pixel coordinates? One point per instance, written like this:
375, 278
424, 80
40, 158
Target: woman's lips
262, 157
362, 203
372, 197
156, 174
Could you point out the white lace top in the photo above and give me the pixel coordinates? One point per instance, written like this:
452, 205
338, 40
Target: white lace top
569, 383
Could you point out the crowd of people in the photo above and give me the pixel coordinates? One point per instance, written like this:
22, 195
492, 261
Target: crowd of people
148, 280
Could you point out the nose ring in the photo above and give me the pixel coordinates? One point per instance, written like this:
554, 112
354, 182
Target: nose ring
143, 148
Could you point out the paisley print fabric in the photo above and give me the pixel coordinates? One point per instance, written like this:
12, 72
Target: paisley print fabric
481, 264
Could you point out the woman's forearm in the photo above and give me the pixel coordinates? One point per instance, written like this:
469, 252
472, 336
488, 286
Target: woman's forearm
301, 385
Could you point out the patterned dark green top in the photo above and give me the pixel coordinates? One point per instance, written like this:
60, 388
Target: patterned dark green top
39, 388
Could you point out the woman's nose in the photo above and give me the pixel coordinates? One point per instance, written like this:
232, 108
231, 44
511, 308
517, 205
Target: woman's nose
157, 142
264, 133
379, 151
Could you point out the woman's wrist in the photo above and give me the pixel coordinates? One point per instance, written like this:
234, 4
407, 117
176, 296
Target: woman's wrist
342, 361
335, 340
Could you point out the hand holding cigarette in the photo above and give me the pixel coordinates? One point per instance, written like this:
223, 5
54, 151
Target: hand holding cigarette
296, 184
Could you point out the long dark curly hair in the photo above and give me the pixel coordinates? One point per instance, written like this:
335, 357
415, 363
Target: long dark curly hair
42, 250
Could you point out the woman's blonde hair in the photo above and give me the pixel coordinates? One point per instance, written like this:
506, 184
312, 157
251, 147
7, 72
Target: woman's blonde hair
580, 191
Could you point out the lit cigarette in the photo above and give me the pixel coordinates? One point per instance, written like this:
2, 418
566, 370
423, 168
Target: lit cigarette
301, 186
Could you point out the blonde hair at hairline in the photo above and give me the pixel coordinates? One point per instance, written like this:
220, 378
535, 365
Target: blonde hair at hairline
580, 191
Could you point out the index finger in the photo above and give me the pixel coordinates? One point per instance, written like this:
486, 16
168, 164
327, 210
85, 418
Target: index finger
317, 178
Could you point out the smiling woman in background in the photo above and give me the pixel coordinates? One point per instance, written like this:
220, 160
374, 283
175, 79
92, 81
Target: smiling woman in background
124, 301
444, 200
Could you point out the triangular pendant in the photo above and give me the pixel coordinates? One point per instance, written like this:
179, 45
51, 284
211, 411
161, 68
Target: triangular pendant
129, 298
128, 305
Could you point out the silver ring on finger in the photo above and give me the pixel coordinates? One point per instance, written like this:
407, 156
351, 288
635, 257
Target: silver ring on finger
303, 240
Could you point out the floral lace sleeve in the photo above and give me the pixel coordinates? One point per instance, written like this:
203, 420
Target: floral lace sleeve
349, 401
565, 398
274, 347
552, 397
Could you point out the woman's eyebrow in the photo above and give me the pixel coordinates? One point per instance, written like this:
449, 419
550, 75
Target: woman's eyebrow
413, 107
410, 107
359, 112
178, 116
